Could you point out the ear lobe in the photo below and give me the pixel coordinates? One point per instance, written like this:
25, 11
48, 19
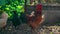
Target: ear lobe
43, 16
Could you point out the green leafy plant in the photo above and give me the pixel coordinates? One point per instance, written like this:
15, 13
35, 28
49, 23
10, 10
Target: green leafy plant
11, 5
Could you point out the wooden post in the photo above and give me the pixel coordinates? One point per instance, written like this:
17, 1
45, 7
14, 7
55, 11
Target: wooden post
25, 5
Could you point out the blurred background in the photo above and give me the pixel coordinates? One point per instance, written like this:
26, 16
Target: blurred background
51, 9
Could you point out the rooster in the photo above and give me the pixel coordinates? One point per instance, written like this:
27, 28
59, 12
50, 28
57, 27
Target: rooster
36, 17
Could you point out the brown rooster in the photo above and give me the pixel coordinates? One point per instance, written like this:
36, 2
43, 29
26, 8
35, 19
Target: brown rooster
36, 18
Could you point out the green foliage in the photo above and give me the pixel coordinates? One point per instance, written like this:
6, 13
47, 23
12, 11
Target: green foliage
11, 5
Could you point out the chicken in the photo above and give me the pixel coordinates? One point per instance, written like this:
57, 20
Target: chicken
3, 20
